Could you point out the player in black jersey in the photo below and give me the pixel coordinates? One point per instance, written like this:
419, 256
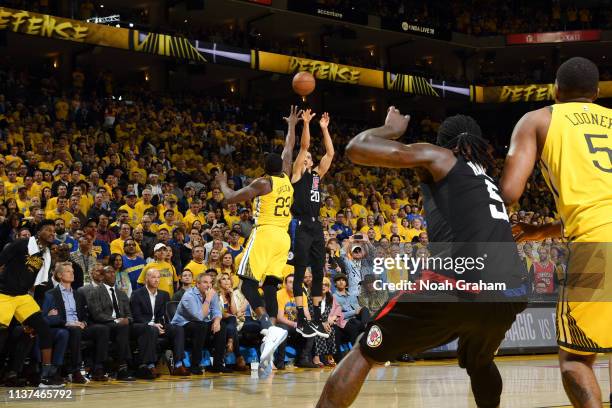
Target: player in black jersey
309, 248
463, 208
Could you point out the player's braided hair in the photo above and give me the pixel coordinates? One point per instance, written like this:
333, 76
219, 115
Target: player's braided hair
462, 134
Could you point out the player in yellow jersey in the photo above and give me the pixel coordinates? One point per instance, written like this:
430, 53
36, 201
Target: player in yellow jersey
265, 254
572, 140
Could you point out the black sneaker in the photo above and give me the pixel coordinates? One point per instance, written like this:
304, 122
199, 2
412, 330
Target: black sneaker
125, 375
305, 329
145, 373
196, 371
318, 329
221, 369
52, 382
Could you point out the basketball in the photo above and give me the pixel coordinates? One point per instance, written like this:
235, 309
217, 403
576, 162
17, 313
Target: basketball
303, 83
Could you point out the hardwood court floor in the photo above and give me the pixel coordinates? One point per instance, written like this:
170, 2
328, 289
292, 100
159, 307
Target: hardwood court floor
528, 382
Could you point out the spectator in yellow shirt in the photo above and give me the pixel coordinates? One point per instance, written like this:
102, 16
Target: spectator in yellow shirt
23, 201
61, 109
194, 214
231, 214
130, 207
13, 158
386, 229
169, 223
328, 210
168, 277
371, 225
11, 183
117, 246
415, 230
60, 211
197, 265
358, 210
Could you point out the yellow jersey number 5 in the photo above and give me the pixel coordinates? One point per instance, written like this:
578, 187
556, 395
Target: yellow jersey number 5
591, 140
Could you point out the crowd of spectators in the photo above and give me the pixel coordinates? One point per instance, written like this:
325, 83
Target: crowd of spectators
144, 239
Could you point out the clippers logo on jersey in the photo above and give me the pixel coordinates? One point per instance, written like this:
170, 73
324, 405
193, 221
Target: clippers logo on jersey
497, 212
34, 263
314, 191
374, 337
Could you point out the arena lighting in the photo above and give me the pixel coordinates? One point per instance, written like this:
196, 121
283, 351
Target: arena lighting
444, 88
115, 18
227, 54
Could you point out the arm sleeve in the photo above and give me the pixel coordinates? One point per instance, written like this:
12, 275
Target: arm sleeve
191, 309
216, 308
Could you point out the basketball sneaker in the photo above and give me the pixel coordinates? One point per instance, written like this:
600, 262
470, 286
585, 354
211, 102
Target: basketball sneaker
273, 338
318, 329
305, 328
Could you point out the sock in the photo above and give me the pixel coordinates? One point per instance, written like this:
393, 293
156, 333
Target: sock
316, 316
301, 317
47, 370
178, 364
264, 319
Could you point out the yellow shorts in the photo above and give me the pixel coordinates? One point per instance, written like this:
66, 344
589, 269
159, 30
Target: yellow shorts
584, 309
265, 254
20, 307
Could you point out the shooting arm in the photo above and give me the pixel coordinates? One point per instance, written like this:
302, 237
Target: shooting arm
326, 160
298, 165
258, 187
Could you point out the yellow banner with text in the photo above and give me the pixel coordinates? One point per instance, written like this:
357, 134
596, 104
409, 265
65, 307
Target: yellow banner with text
342, 74
526, 93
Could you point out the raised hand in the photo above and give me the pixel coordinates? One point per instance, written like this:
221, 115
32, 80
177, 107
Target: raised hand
324, 121
396, 122
294, 117
307, 115
221, 177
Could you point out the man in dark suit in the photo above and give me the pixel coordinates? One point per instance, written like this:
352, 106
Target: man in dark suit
149, 307
65, 310
111, 307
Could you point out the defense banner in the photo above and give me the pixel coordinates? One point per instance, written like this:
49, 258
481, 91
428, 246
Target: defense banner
47, 26
342, 74
525, 93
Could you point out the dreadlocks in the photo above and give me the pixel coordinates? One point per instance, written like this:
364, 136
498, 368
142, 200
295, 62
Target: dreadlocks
462, 134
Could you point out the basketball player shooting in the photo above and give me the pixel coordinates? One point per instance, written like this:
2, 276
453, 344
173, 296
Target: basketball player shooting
462, 205
309, 242
571, 141
265, 254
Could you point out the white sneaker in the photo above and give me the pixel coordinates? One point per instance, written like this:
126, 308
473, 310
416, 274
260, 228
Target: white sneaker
273, 338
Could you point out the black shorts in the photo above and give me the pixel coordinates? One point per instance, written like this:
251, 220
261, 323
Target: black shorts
309, 249
404, 326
